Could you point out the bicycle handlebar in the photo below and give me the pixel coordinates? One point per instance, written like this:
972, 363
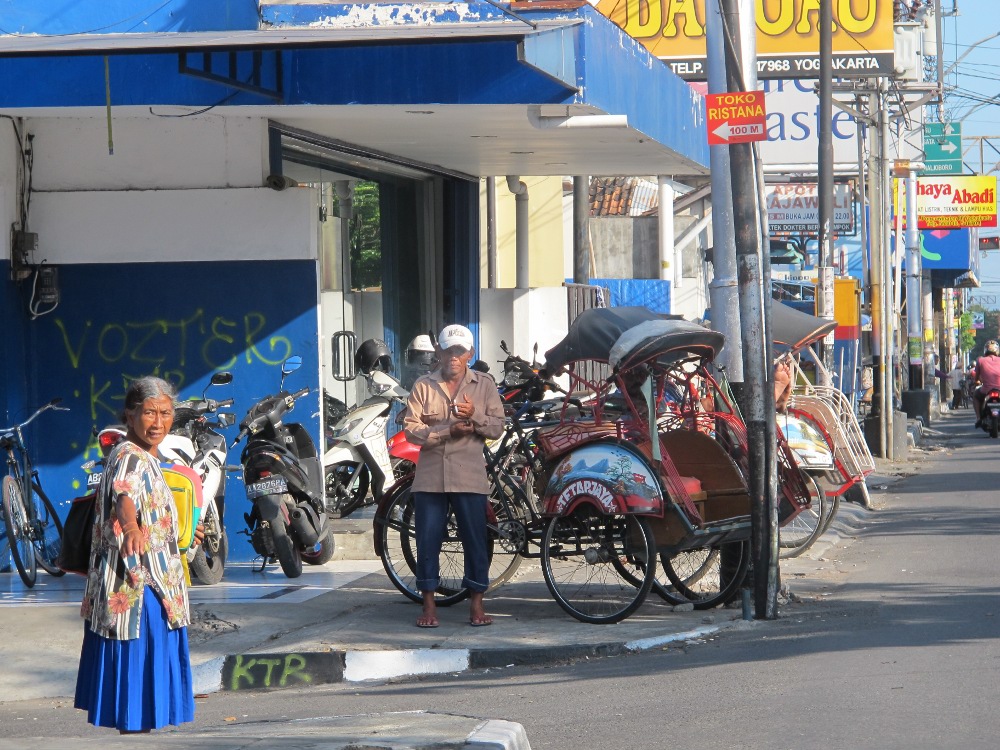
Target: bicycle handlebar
53, 404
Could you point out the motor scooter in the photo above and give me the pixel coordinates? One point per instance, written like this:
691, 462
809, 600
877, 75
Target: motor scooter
989, 415
284, 482
360, 458
196, 441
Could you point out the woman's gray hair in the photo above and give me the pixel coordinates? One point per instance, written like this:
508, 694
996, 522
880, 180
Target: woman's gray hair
146, 388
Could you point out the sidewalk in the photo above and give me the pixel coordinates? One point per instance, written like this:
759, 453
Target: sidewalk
344, 621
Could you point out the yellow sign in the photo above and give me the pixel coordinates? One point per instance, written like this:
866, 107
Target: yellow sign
952, 202
787, 35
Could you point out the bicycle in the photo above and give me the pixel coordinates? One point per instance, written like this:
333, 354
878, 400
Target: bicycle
33, 530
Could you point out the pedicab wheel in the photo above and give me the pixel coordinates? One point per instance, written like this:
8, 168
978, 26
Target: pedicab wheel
399, 554
592, 560
709, 576
695, 571
798, 535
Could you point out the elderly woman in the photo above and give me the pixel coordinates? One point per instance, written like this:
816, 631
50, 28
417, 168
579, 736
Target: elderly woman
135, 670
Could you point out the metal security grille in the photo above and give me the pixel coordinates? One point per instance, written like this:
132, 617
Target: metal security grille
582, 297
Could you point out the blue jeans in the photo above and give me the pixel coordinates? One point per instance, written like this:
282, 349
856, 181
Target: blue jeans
431, 519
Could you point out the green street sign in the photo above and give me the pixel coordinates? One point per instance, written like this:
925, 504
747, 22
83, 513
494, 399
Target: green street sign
942, 148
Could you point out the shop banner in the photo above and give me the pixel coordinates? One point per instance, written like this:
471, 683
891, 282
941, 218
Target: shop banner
951, 202
787, 35
794, 207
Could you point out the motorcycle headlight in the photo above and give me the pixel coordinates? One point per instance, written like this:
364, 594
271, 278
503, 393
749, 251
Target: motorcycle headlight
377, 389
340, 432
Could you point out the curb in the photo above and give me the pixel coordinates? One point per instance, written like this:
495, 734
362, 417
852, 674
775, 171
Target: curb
271, 671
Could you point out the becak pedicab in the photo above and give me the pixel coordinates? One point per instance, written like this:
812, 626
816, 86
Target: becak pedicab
655, 473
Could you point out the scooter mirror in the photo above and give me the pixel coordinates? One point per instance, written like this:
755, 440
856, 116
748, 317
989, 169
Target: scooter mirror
222, 378
291, 364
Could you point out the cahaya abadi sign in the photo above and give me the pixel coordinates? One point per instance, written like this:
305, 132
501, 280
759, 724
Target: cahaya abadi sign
952, 202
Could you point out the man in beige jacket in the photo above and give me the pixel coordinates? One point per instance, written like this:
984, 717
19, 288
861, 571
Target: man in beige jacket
450, 414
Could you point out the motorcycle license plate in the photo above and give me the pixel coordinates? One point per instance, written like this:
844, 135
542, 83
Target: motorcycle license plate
275, 485
94, 479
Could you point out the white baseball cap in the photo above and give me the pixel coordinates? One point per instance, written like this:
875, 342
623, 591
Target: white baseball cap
455, 335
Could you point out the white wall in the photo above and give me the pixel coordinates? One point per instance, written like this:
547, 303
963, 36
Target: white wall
522, 318
166, 153
175, 189
175, 225
9, 157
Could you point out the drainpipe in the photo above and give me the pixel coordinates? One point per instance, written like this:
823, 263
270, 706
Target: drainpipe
670, 265
520, 191
491, 232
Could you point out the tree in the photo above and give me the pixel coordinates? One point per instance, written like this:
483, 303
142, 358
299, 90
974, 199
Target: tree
366, 237
966, 333
990, 329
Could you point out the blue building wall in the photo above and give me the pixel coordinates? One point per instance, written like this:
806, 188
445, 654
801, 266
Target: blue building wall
60, 17
182, 321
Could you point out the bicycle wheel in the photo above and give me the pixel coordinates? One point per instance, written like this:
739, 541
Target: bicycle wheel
510, 536
709, 576
47, 536
399, 554
582, 559
15, 518
798, 535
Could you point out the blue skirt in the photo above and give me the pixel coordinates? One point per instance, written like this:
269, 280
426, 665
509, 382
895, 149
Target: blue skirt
139, 684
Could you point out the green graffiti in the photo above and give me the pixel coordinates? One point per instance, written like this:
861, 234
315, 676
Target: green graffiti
217, 336
241, 671
74, 354
275, 341
268, 672
157, 342
294, 666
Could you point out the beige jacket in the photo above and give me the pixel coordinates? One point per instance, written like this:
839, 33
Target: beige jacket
449, 464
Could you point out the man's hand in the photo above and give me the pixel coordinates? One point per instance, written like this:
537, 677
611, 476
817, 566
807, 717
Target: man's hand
462, 429
199, 535
466, 409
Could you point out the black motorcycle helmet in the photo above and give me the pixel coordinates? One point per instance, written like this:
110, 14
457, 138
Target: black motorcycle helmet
373, 354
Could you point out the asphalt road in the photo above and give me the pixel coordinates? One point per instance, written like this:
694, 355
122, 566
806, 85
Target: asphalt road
889, 642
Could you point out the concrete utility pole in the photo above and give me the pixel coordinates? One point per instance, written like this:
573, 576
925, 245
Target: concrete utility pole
724, 298
758, 394
914, 305
581, 230
824, 287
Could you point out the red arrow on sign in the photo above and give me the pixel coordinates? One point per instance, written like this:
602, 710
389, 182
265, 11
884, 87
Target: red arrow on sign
736, 117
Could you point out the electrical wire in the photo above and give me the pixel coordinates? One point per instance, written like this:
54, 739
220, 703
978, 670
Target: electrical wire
33, 308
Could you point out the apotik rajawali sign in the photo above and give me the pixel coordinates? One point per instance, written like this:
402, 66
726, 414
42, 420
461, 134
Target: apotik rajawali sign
735, 117
952, 202
793, 207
